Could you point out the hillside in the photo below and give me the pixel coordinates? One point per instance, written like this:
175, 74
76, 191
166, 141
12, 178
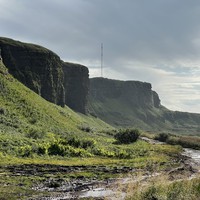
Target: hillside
27, 120
134, 104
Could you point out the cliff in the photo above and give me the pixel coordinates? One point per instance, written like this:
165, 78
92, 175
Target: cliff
135, 93
46, 74
135, 104
76, 84
36, 67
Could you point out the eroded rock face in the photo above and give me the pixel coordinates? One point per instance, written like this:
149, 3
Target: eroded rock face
134, 93
36, 67
76, 83
123, 103
46, 74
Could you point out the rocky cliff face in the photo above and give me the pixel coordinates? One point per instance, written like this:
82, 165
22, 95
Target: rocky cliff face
76, 83
134, 104
46, 74
38, 68
134, 93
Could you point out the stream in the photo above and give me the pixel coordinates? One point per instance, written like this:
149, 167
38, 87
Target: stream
115, 189
193, 154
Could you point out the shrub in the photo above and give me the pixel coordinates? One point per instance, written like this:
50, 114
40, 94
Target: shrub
56, 149
150, 193
25, 151
42, 149
74, 141
80, 143
2, 111
122, 154
85, 129
127, 136
88, 143
35, 133
163, 137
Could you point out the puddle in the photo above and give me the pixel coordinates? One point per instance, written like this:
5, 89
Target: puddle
104, 193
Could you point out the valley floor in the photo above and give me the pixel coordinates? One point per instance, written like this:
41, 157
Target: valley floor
99, 178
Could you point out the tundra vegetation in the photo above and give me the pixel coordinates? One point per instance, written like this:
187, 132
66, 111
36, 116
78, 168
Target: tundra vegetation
35, 132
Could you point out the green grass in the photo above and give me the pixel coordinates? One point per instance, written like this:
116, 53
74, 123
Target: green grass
184, 141
162, 189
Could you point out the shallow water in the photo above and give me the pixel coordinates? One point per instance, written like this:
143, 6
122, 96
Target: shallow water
102, 192
193, 154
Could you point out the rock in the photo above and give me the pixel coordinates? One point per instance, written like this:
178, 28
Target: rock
36, 67
45, 73
123, 103
135, 93
76, 83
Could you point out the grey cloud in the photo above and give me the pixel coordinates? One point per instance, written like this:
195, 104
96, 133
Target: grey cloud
144, 40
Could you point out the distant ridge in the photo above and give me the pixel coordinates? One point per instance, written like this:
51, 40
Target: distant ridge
135, 104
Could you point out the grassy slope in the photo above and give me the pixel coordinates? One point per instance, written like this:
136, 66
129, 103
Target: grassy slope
23, 109
119, 113
25, 116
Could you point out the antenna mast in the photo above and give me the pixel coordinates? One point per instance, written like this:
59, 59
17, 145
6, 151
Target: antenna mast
101, 59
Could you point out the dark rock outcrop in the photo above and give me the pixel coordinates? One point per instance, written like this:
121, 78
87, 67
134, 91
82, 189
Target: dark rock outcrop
76, 83
38, 68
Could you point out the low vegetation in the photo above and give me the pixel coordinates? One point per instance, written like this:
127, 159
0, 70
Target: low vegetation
184, 141
161, 189
127, 136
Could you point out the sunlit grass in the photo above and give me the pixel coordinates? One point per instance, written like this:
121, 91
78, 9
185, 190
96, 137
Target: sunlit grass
162, 189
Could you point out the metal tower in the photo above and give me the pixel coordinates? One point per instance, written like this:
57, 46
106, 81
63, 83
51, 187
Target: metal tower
101, 59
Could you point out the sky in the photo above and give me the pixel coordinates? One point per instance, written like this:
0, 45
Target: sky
155, 41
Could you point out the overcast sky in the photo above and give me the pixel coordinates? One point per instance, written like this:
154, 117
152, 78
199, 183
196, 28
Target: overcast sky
156, 41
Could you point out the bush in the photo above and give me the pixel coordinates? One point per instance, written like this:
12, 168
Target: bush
2, 111
80, 143
56, 149
88, 143
42, 149
85, 129
163, 137
127, 136
25, 151
74, 141
35, 133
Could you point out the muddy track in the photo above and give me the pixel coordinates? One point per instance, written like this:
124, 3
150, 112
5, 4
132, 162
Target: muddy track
56, 182
37, 170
